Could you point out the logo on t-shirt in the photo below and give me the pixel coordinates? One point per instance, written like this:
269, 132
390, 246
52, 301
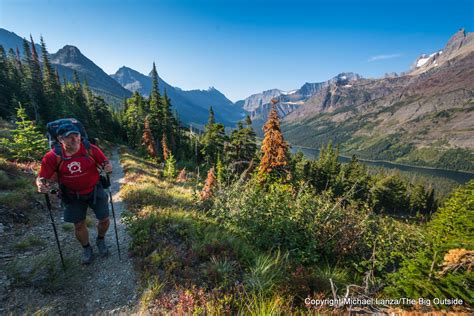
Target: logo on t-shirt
74, 167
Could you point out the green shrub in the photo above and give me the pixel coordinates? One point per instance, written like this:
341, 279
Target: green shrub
389, 242
389, 195
422, 274
308, 226
453, 225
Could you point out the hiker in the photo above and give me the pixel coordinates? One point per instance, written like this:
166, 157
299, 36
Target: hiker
76, 171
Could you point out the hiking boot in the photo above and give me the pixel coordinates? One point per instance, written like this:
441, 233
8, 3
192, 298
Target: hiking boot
103, 250
87, 255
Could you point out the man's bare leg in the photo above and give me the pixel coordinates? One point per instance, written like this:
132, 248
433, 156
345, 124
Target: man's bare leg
82, 233
102, 227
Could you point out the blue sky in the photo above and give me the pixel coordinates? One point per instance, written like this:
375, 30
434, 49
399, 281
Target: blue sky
243, 47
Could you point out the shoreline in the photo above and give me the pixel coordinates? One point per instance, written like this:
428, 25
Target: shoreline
392, 162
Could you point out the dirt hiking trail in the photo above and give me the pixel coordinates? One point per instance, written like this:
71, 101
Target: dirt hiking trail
33, 281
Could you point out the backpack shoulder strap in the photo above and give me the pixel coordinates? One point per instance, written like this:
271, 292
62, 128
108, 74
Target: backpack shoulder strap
57, 150
59, 163
90, 154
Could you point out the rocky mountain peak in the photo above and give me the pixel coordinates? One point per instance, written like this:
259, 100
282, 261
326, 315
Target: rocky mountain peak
125, 71
69, 55
308, 89
461, 43
455, 42
69, 50
345, 78
256, 100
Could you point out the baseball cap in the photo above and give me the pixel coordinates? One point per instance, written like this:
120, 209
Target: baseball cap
67, 129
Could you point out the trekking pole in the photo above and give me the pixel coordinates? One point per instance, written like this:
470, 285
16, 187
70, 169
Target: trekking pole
113, 213
48, 204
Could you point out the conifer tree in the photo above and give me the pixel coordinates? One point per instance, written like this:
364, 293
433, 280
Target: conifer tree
14, 93
431, 202
134, 119
28, 144
220, 170
242, 145
148, 140
101, 116
236, 143
179, 144
275, 149
213, 139
27, 82
5, 87
325, 171
76, 81
389, 195
169, 122
207, 191
211, 119
164, 145
170, 167
51, 86
155, 108
182, 176
250, 143
76, 102
36, 86
353, 181
58, 82
155, 92
418, 199
26, 53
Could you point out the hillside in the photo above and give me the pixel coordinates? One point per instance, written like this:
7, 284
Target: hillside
259, 105
192, 106
424, 117
69, 59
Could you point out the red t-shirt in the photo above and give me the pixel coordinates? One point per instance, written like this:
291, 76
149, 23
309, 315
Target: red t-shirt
79, 173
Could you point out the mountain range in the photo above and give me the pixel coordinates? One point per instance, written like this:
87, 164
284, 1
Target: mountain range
424, 116
192, 106
69, 59
259, 104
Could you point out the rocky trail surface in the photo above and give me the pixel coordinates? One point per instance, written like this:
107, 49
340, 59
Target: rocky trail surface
32, 280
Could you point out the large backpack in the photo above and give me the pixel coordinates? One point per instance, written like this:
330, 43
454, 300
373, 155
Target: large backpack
54, 144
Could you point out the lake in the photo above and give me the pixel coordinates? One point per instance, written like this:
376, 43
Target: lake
458, 176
